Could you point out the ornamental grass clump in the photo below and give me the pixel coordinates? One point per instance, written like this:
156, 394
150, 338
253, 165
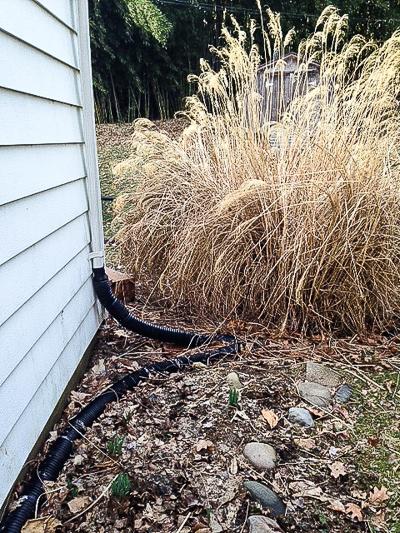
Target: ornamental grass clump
292, 222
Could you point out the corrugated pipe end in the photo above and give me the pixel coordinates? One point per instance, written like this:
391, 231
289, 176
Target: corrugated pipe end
117, 310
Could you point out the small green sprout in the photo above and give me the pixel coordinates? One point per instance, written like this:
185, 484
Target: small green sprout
72, 488
114, 446
121, 486
233, 397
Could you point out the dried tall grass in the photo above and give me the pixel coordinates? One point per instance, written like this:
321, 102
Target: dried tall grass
301, 233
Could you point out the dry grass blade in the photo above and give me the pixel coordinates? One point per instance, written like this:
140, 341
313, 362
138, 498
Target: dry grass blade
293, 223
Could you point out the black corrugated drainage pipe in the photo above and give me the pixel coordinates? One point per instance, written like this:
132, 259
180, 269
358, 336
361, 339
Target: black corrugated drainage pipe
48, 470
117, 310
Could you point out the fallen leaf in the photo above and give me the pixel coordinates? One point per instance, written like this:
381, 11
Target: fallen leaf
306, 444
377, 497
306, 489
374, 441
337, 505
215, 525
337, 469
78, 460
271, 418
354, 511
47, 524
315, 411
379, 520
234, 381
121, 333
78, 504
199, 365
200, 527
360, 495
233, 466
242, 415
79, 397
204, 445
99, 368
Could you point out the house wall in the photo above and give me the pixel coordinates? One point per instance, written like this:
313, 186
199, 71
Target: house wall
50, 216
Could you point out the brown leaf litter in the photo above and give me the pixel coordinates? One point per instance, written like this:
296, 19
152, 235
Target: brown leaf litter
182, 444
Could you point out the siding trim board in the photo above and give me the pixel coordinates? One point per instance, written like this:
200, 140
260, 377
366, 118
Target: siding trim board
89, 134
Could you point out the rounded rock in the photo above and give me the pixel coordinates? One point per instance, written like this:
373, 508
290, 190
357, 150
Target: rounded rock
317, 373
266, 497
315, 394
299, 415
233, 381
263, 524
343, 394
262, 456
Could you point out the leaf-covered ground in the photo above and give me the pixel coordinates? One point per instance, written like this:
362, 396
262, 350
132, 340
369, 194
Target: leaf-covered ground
180, 444
168, 457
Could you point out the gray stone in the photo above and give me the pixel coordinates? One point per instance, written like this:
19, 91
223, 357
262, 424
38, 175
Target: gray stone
260, 455
322, 374
266, 497
263, 524
299, 415
315, 393
343, 394
233, 381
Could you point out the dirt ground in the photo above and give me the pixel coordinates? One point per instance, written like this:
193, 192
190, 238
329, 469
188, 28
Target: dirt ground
168, 457
181, 444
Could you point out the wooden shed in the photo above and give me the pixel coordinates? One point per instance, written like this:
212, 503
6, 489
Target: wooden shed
50, 216
279, 81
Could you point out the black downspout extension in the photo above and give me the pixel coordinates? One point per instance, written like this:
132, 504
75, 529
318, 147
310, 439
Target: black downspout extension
117, 309
33, 496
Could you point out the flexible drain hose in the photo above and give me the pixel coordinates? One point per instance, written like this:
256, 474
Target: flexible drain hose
126, 319
61, 449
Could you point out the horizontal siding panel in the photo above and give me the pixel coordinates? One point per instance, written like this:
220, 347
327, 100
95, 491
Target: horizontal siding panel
18, 444
61, 9
26, 379
27, 119
26, 273
27, 221
28, 21
27, 170
22, 68
39, 312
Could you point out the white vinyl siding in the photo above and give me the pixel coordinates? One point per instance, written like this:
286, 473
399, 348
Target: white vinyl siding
50, 219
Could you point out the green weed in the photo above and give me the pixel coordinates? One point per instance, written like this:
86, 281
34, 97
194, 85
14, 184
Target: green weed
114, 446
121, 486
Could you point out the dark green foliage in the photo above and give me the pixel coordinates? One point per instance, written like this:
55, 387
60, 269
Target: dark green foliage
143, 50
121, 486
114, 446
